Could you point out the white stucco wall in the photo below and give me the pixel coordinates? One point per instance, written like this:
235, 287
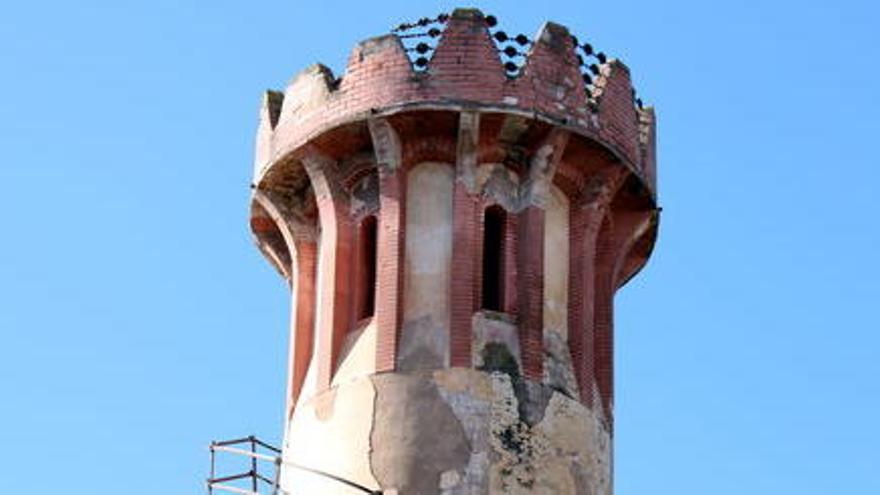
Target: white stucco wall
358, 354
447, 432
424, 341
556, 261
331, 433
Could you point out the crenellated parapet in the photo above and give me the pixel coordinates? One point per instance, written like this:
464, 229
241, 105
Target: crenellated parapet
552, 82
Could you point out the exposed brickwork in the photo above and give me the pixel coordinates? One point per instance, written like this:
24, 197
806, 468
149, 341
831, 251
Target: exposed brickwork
464, 289
464, 285
603, 324
550, 81
389, 267
580, 336
511, 248
528, 408
390, 260
465, 71
302, 340
332, 152
335, 288
648, 145
301, 272
530, 289
618, 119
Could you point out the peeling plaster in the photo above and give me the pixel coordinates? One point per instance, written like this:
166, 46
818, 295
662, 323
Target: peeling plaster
450, 432
424, 339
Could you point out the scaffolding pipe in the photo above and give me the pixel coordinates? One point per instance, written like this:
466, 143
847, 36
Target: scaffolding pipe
234, 489
243, 452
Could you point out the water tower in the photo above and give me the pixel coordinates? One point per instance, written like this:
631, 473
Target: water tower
454, 214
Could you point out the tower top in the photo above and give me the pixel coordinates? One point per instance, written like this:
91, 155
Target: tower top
466, 61
454, 213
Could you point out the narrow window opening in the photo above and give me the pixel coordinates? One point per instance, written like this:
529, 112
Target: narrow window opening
493, 257
368, 253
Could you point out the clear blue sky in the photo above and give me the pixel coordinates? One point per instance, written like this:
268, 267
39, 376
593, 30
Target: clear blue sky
138, 322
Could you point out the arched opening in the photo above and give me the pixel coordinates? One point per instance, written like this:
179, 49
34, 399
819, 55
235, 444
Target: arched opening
293, 244
367, 257
494, 220
271, 241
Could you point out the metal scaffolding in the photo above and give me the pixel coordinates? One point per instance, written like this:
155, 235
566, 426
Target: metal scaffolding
253, 480
256, 480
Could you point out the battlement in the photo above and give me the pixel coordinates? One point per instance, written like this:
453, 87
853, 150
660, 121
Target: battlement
463, 61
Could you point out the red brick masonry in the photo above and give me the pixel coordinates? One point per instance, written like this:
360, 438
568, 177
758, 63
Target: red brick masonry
332, 151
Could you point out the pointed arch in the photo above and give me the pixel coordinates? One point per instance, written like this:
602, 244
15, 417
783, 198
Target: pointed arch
302, 254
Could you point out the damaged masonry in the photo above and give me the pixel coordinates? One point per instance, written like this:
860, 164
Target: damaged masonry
454, 214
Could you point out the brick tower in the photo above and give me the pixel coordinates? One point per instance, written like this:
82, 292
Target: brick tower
454, 214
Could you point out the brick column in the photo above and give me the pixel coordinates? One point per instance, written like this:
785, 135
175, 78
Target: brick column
300, 242
463, 284
390, 252
333, 296
303, 317
580, 293
530, 283
511, 228
603, 353
465, 270
389, 267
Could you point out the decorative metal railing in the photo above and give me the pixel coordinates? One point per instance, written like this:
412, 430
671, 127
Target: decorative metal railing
420, 40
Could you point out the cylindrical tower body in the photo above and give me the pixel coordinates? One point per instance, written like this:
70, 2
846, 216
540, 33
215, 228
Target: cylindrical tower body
453, 230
